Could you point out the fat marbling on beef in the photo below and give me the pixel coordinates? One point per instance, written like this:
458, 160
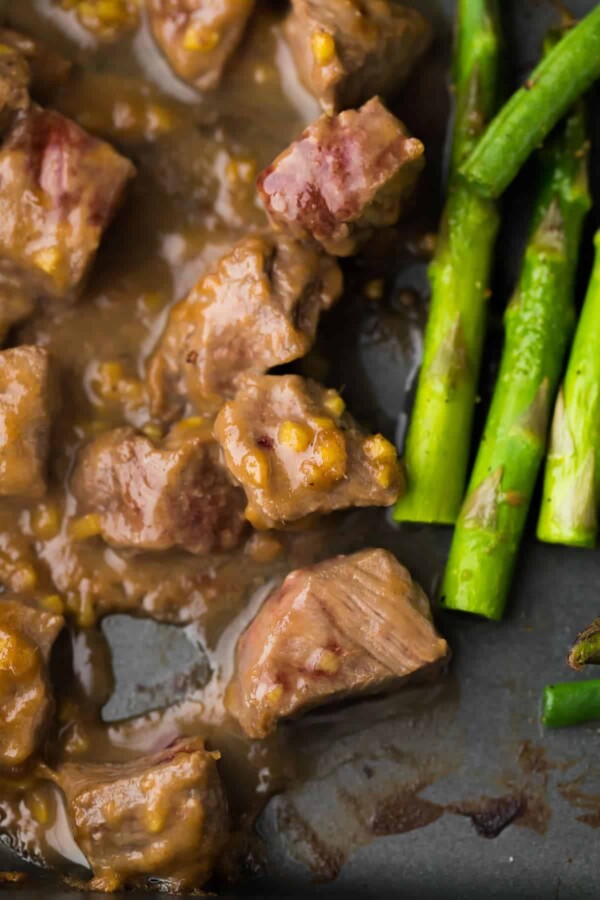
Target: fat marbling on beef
26, 403
198, 37
350, 625
26, 703
348, 50
294, 450
60, 189
164, 816
259, 307
343, 177
155, 496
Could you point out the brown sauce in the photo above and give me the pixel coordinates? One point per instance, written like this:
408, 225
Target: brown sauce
189, 202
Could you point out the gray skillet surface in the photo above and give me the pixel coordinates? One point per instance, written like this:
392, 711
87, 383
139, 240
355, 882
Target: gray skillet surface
397, 791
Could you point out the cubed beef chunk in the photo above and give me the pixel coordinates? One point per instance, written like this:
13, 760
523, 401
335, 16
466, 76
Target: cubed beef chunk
60, 189
16, 304
107, 21
350, 625
48, 69
258, 308
26, 400
198, 37
26, 704
343, 177
162, 816
348, 50
15, 77
154, 496
294, 450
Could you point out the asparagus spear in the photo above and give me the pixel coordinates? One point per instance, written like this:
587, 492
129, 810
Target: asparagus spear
438, 440
538, 323
569, 513
586, 648
570, 703
522, 124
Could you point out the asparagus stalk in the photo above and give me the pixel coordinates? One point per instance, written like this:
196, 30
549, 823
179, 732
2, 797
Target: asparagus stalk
538, 325
571, 703
438, 440
586, 648
569, 513
522, 124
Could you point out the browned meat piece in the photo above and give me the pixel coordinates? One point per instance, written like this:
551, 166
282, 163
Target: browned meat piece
290, 445
163, 816
15, 305
154, 497
343, 177
60, 189
26, 399
348, 50
26, 704
106, 21
350, 625
15, 77
198, 37
48, 69
258, 308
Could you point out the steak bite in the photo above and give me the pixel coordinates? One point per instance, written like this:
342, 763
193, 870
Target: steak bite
162, 816
150, 496
350, 625
343, 177
198, 37
60, 189
348, 50
290, 445
258, 308
26, 399
26, 703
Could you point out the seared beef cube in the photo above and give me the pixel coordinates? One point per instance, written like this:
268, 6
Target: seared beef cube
198, 37
106, 21
151, 496
48, 69
290, 445
60, 189
15, 77
16, 304
346, 51
162, 816
25, 407
258, 308
26, 704
350, 625
343, 177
